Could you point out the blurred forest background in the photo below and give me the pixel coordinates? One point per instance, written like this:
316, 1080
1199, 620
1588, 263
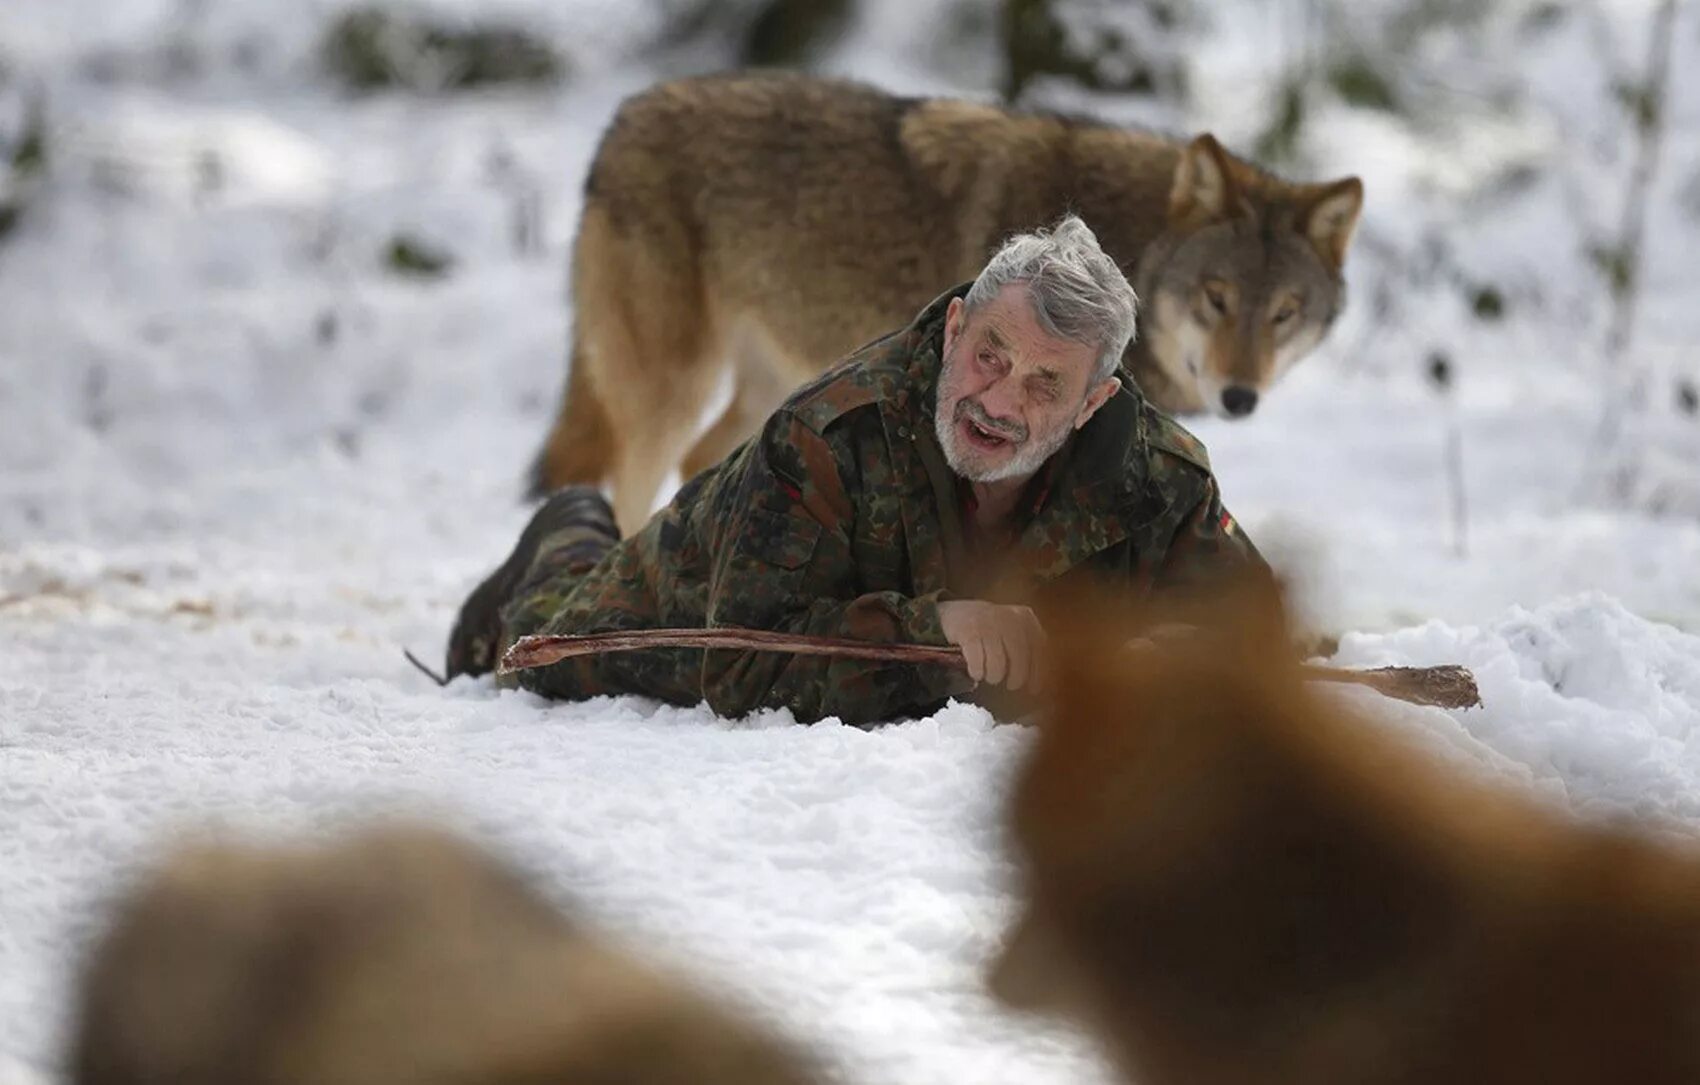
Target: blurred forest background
1532, 166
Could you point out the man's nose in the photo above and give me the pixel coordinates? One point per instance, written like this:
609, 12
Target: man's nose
1002, 400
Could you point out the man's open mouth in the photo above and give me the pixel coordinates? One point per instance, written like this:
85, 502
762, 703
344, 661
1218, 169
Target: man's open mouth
983, 437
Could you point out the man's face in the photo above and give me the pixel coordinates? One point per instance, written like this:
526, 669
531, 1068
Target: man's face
1009, 394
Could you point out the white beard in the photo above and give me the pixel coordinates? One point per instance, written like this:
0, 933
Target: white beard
1024, 464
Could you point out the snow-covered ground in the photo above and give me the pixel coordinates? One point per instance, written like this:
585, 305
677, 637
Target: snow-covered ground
241, 466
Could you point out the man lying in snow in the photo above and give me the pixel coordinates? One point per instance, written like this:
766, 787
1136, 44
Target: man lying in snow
917, 492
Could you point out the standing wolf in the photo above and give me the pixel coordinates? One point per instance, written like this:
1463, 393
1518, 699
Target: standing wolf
771, 223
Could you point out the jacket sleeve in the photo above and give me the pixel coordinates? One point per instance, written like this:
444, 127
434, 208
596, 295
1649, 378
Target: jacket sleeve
782, 561
1208, 549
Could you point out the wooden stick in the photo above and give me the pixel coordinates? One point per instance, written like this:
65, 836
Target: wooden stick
1447, 686
1443, 687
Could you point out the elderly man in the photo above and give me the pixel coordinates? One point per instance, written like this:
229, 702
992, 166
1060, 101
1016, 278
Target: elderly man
922, 491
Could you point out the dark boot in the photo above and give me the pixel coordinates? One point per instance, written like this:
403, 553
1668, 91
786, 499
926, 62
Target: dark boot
573, 529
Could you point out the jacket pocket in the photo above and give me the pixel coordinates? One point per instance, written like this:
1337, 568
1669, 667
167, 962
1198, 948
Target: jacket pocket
786, 542
762, 581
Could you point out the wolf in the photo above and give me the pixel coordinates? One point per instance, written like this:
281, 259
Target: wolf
1233, 881
401, 955
764, 225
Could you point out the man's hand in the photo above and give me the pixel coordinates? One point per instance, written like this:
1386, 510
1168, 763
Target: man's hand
1001, 644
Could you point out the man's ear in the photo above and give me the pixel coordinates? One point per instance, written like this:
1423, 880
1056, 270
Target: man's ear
1096, 398
1332, 218
954, 315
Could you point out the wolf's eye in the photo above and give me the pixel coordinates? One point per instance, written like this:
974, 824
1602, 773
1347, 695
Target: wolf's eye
1285, 313
1217, 297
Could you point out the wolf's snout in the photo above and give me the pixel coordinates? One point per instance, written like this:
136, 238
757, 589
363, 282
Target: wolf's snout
1239, 400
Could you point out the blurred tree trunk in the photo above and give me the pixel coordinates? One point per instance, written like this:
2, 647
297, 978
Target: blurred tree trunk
23, 162
1033, 44
758, 33
1120, 46
1645, 99
791, 33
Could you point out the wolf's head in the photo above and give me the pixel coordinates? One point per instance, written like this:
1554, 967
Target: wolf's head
1245, 280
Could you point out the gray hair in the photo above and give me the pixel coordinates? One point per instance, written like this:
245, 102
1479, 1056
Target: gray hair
1078, 292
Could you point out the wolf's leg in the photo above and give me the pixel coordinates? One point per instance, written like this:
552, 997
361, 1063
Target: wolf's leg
651, 346
655, 412
580, 445
758, 387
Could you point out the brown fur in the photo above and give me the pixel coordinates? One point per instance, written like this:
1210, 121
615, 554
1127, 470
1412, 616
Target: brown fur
1233, 881
403, 957
769, 224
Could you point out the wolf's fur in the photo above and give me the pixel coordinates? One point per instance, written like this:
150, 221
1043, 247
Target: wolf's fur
769, 224
1234, 880
402, 956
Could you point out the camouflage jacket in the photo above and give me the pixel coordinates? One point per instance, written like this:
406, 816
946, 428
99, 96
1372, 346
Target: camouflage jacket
834, 521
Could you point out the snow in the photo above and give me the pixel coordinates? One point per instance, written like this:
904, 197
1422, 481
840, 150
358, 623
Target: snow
241, 467
1582, 700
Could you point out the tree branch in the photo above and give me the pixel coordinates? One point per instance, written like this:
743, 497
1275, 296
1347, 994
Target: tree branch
1443, 687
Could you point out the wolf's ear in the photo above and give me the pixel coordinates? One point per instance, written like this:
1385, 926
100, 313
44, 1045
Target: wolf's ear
1203, 185
1332, 217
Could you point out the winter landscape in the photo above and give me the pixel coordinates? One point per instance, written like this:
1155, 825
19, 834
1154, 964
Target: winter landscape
255, 441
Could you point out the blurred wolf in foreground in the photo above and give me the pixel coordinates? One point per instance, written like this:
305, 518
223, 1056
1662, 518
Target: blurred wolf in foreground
403, 957
773, 223
1233, 880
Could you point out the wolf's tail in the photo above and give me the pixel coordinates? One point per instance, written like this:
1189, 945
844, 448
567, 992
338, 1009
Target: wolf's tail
580, 445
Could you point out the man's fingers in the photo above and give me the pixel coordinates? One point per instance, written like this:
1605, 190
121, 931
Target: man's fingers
997, 658
1000, 644
1019, 646
974, 655
1025, 640
1041, 658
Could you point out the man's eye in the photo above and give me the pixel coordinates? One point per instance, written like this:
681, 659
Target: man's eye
988, 359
